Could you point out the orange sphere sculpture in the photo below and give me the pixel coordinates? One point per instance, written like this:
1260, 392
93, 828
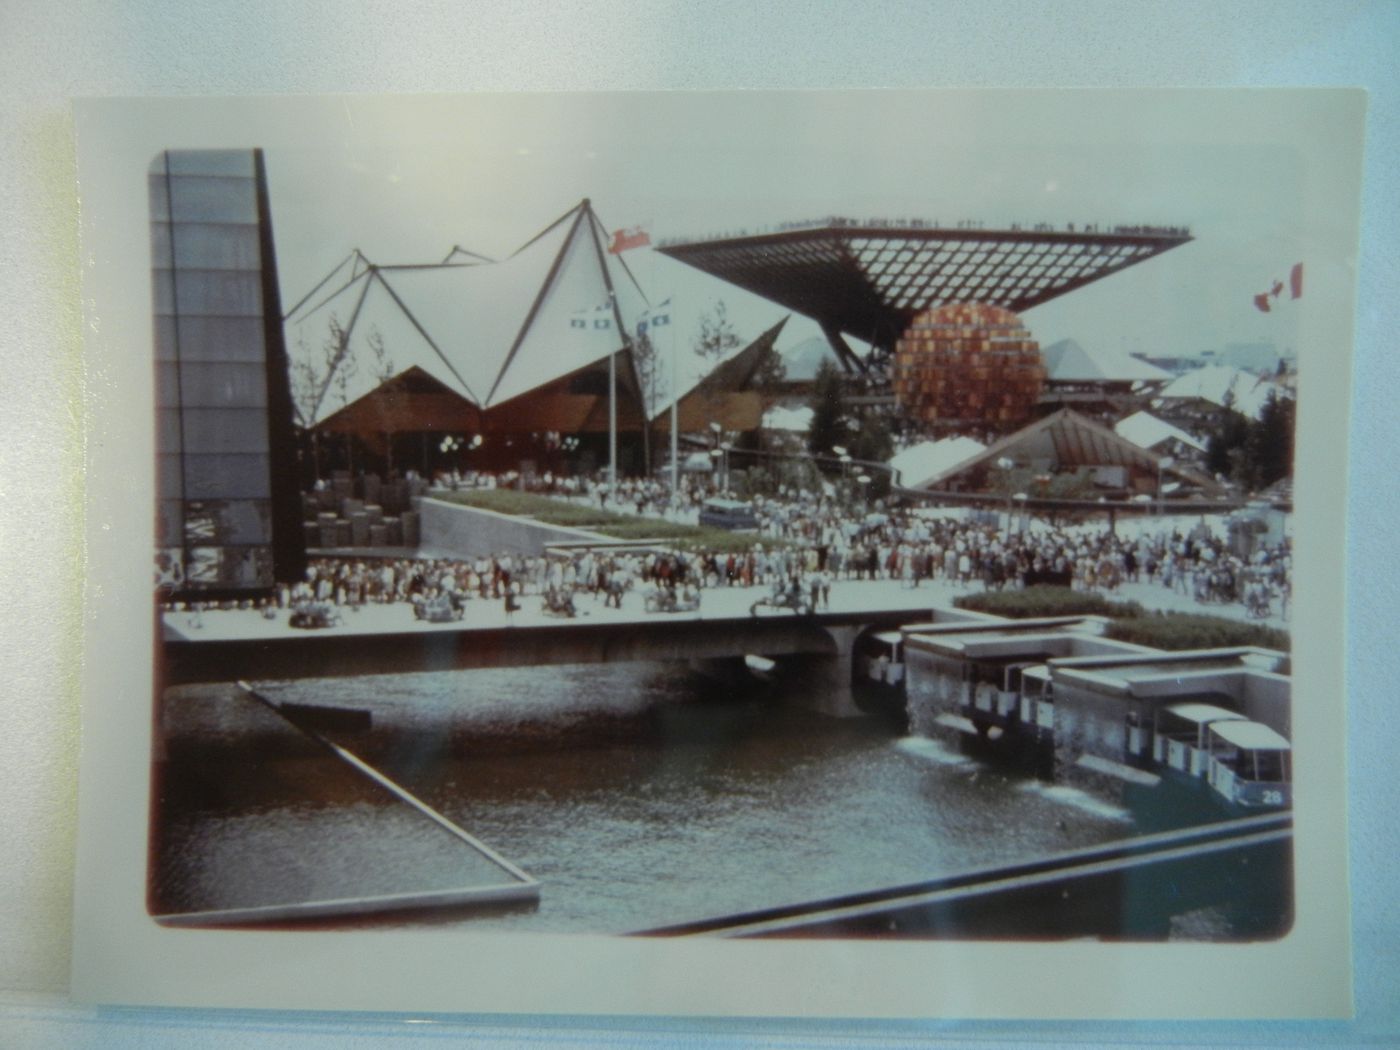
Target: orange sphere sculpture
967, 365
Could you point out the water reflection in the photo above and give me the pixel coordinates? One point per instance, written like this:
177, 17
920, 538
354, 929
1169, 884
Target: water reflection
642, 795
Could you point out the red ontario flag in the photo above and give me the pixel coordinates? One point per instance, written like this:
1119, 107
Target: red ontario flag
630, 237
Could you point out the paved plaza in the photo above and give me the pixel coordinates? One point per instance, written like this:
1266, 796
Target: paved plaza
847, 596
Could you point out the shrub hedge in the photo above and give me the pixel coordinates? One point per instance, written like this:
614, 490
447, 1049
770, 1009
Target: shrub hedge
1174, 630
1131, 622
1045, 600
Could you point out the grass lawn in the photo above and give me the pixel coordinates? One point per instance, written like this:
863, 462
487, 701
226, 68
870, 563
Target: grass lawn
1131, 622
549, 511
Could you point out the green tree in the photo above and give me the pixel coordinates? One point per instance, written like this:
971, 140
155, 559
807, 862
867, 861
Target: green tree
341, 362
646, 364
308, 378
716, 337
714, 340
1254, 453
1266, 454
383, 372
830, 425
769, 376
383, 363
1223, 445
872, 440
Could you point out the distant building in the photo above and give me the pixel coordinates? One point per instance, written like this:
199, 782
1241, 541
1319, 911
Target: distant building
1068, 443
1196, 399
1157, 435
1261, 358
1096, 380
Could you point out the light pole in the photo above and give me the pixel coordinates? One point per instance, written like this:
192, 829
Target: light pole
447, 446
1165, 463
1005, 464
1020, 499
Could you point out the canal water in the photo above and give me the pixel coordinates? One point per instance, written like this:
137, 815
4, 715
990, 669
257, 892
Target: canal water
644, 795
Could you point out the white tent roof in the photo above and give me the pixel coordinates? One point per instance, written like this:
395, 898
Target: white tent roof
491, 331
798, 420
488, 331
1145, 429
1068, 362
1214, 382
920, 464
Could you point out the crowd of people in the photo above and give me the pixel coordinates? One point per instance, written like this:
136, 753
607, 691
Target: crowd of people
805, 544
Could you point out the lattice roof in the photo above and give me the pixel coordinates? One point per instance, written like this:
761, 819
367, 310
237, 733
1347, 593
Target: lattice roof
868, 281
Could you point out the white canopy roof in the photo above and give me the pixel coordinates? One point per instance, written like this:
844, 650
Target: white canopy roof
491, 331
920, 464
1252, 735
798, 420
1217, 383
1068, 362
1198, 712
1145, 429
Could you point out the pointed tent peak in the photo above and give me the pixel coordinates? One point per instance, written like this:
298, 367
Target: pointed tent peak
340, 277
1069, 362
580, 279
803, 360
568, 218
737, 371
460, 256
1145, 429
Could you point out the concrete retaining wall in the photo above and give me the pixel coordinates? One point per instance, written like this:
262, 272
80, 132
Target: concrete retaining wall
450, 529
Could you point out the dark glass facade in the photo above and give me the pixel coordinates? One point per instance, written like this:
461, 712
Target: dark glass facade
225, 482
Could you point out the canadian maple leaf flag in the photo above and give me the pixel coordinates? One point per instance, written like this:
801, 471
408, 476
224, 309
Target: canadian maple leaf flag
1263, 301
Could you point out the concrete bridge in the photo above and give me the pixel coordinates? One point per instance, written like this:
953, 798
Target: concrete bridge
815, 650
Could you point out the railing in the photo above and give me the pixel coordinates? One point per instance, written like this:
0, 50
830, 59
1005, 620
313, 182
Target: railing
838, 222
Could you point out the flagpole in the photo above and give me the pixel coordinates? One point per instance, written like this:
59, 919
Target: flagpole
612, 426
675, 400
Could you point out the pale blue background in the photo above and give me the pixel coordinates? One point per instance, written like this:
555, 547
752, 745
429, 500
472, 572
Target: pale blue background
50, 52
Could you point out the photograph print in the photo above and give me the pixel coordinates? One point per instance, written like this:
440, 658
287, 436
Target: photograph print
693, 522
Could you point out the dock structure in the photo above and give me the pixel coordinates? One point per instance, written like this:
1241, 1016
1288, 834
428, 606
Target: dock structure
1080, 708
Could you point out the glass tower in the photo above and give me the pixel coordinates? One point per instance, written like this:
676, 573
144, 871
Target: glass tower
228, 516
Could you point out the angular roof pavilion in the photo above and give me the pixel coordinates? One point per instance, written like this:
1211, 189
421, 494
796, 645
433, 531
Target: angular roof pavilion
1069, 362
557, 309
868, 280
1068, 440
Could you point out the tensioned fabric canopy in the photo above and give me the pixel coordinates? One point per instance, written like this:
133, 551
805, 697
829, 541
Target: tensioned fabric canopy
486, 331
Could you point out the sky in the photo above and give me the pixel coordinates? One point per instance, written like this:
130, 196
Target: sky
407, 183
